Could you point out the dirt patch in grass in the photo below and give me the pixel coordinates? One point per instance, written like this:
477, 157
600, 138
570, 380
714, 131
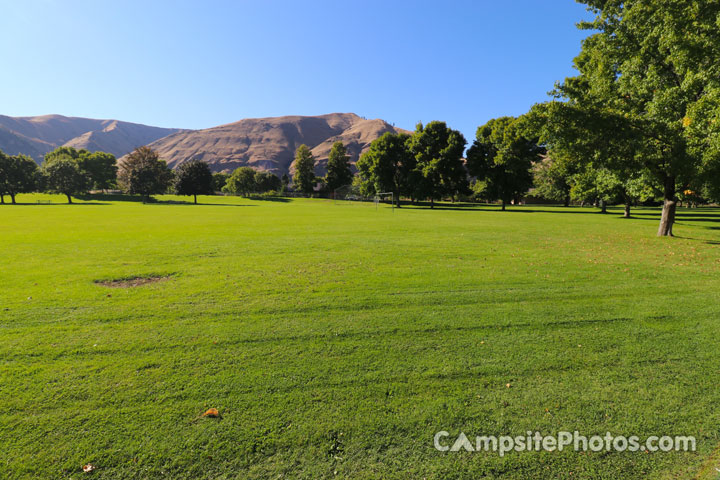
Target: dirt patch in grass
130, 282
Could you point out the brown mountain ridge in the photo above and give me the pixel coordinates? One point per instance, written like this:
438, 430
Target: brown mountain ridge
270, 143
35, 136
262, 143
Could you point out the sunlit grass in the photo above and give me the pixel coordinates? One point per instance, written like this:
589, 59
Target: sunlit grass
336, 340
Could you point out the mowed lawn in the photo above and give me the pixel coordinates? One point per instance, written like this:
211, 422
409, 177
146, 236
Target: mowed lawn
336, 340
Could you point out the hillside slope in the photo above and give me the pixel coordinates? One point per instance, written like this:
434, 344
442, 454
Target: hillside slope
270, 143
35, 136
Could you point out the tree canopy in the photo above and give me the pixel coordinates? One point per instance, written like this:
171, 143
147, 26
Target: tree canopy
387, 165
100, 167
649, 86
438, 152
304, 179
18, 174
63, 175
194, 178
143, 173
241, 182
267, 182
503, 157
339, 172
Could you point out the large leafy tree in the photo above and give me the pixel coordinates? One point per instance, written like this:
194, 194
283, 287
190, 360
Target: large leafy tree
502, 156
64, 153
219, 180
339, 172
63, 175
438, 152
266, 182
651, 65
143, 173
194, 178
304, 178
241, 182
387, 165
552, 178
18, 174
101, 168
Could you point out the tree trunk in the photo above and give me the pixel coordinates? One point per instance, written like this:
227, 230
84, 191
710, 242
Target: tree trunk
627, 209
566, 202
69, 198
432, 202
603, 206
503, 205
668, 212
2, 198
397, 200
12, 197
195, 196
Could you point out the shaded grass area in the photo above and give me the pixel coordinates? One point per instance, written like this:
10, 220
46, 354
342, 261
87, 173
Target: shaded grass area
336, 340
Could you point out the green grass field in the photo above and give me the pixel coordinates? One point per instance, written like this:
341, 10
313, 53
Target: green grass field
336, 340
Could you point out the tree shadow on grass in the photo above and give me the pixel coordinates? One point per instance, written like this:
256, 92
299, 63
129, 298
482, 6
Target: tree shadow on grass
151, 201
484, 207
199, 204
272, 199
50, 204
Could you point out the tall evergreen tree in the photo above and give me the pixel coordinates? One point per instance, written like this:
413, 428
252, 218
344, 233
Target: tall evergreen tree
339, 172
304, 178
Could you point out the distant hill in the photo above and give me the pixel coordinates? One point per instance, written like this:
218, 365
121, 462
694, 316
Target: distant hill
270, 143
261, 143
35, 136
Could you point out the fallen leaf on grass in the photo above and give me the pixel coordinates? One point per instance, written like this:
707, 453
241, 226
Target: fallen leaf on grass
212, 412
88, 468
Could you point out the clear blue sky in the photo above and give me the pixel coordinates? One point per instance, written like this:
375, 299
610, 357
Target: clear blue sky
201, 63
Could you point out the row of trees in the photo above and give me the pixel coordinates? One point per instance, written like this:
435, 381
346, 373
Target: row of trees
642, 114
248, 181
70, 172
429, 163
65, 170
339, 172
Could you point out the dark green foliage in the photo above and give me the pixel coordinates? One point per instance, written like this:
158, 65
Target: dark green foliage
552, 178
502, 157
143, 173
267, 182
194, 178
339, 173
64, 153
18, 174
219, 180
101, 168
63, 175
285, 181
438, 152
387, 166
241, 182
304, 179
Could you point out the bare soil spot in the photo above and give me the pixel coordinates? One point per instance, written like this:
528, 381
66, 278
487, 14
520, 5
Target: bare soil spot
131, 282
